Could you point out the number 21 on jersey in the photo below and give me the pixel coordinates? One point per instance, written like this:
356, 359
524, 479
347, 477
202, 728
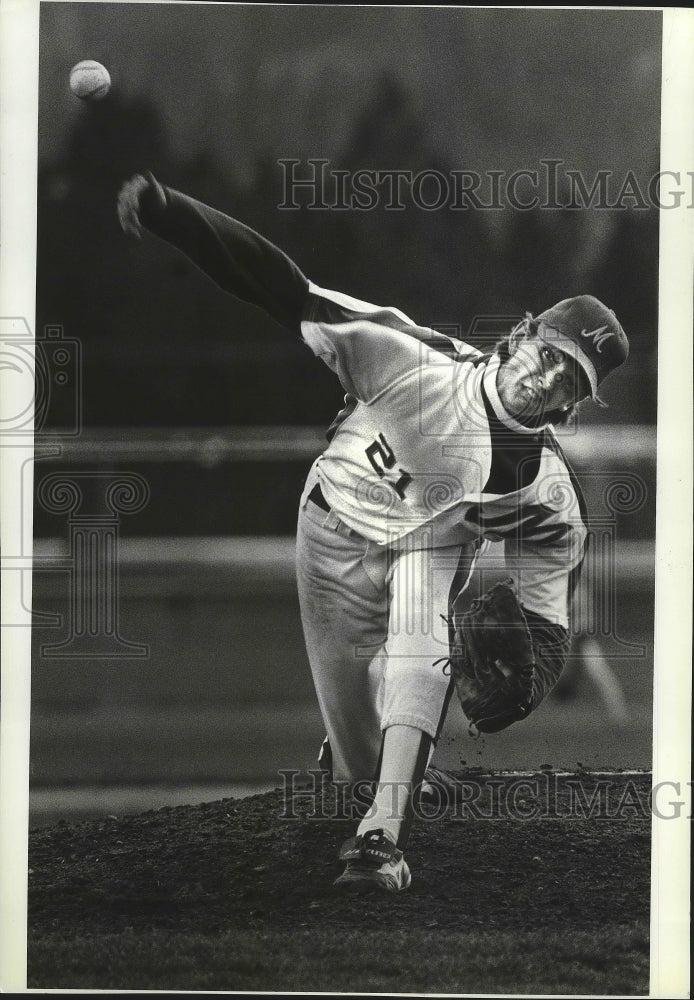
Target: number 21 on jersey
382, 459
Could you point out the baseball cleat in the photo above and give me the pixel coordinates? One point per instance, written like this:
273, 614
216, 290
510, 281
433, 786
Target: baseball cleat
440, 788
374, 864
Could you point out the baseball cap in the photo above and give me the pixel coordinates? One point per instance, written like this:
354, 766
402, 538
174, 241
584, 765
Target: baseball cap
586, 329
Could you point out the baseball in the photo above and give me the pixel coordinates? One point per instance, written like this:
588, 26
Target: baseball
89, 80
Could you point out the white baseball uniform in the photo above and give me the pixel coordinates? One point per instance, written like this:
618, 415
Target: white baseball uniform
422, 469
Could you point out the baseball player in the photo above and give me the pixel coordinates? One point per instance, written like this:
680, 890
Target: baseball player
438, 451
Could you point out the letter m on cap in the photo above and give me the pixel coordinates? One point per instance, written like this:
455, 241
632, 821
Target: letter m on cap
599, 336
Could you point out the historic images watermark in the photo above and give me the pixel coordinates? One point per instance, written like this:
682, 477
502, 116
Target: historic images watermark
94, 503
46, 383
314, 184
46, 379
545, 795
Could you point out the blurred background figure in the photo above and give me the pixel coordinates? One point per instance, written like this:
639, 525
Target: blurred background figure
590, 662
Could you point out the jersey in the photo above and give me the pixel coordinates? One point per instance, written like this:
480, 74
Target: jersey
424, 454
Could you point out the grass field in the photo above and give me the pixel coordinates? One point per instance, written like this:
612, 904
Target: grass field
548, 897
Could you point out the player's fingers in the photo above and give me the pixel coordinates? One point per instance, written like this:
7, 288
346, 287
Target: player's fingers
154, 184
133, 187
129, 204
130, 223
127, 215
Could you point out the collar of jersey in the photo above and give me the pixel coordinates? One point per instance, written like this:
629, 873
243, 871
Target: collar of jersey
489, 383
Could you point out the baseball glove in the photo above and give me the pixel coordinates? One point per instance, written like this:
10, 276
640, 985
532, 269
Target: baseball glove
492, 660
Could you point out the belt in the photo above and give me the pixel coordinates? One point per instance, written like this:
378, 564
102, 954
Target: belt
316, 495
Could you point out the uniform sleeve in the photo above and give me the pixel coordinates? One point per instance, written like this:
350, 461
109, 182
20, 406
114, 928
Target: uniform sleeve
239, 260
546, 573
546, 547
369, 347
551, 648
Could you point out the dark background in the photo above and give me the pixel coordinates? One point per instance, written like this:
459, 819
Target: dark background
210, 98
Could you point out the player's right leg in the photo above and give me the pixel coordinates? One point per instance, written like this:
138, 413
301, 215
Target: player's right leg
344, 613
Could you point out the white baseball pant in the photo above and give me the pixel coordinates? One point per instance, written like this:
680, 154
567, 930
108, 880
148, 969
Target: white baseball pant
374, 627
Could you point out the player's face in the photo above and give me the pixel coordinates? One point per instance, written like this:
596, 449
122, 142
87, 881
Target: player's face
537, 378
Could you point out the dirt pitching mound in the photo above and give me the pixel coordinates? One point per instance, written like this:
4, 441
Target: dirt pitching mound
238, 894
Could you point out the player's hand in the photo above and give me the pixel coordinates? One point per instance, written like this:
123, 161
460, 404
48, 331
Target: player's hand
129, 202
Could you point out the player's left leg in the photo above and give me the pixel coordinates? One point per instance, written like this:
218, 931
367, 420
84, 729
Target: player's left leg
416, 692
